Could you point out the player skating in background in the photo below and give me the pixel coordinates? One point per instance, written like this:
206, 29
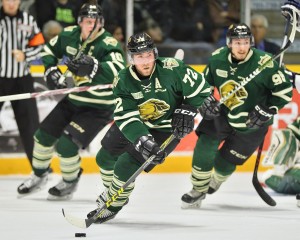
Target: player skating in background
242, 122
78, 117
155, 96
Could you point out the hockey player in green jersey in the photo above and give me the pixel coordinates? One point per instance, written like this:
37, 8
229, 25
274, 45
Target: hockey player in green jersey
78, 117
242, 122
155, 96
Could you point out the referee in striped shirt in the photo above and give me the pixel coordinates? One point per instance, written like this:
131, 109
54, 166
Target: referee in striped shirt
20, 42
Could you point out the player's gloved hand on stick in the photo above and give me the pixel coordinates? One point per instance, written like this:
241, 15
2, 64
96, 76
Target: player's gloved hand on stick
210, 108
183, 120
259, 116
147, 146
83, 66
52, 76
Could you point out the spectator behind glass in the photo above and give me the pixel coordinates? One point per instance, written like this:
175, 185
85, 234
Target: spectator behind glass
63, 11
51, 29
191, 21
152, 28
117, 32
259, 26
114, 12
223, 13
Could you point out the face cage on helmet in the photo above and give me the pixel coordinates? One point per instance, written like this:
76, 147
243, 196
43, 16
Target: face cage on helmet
130, 54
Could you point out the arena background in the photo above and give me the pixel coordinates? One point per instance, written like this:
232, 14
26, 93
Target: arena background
13, 160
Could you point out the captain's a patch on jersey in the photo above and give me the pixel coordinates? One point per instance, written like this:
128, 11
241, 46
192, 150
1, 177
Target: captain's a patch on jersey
170, 63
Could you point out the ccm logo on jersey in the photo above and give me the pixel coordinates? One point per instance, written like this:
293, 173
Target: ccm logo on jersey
185, 112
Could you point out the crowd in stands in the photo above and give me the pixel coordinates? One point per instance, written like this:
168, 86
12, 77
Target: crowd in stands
168, 22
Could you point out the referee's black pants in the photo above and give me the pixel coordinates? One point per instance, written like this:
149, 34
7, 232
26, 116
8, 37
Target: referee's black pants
26, 113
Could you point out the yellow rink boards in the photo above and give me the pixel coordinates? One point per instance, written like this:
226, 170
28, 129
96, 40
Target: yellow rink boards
173, 164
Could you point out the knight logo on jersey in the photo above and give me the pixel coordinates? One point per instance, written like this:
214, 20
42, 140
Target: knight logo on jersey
110, 41
236, 99
170, 63
153, 109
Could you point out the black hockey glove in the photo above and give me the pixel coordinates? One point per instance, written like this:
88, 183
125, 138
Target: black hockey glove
183, 120
52, 75
147, 146
83, 66
210, 108
259, 116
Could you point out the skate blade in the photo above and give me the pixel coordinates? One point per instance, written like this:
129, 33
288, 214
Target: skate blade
195, 205
38, 189
59, 198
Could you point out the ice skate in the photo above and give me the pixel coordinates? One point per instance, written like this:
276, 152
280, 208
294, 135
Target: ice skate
214, 185
107, 214
298, 199
33, 184
192, 199
63, 190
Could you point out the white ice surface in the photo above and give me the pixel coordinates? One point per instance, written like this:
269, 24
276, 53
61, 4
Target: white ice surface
153, 213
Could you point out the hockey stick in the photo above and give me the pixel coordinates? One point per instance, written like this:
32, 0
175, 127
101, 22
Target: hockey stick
263, 66
85, 223
286, 29
259, 189
53, 92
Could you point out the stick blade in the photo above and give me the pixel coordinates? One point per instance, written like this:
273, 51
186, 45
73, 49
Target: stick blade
75, 221
262, 193
179, 54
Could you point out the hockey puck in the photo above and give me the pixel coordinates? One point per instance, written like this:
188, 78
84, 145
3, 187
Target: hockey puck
80, 234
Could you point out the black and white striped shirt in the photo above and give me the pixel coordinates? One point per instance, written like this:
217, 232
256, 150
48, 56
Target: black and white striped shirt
18, 32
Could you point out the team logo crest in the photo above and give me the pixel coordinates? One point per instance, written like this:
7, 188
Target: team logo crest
110, 41
264, 59
170, 63
237, 98
153, 109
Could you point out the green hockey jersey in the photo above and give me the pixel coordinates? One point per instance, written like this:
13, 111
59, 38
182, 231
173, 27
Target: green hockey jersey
104, 48
270, 88
150, 103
